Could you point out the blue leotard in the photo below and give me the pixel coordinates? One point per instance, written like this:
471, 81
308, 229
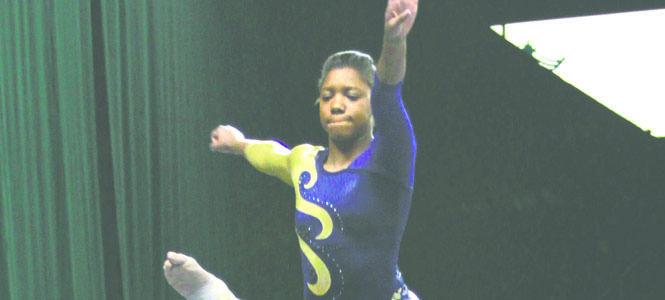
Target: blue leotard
350, 223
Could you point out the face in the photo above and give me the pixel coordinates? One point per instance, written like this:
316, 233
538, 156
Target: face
344, 105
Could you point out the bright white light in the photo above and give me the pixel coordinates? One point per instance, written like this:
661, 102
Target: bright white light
617, 59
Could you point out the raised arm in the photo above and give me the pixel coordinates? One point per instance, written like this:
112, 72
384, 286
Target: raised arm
269, 157
394, 142
398, 20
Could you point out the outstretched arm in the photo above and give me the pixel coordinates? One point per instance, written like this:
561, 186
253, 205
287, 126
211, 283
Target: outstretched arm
269, 157
398, 20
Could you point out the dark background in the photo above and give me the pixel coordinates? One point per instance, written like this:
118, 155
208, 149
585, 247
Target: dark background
526, 188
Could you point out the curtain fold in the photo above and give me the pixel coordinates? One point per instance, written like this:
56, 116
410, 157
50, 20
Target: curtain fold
52, 217
50, 214
131, 94
105, 110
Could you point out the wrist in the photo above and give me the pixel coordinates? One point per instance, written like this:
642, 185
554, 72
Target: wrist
393, 40
239, 148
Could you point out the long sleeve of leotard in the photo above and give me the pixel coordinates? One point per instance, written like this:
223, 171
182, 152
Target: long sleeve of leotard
271, 158
394, 146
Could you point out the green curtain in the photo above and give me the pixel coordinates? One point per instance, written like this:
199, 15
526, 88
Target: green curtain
50, 217
105, 108
54, 170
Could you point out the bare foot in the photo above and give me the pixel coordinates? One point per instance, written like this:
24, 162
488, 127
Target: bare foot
191, 281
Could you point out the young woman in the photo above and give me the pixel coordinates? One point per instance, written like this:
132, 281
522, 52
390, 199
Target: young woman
352, 198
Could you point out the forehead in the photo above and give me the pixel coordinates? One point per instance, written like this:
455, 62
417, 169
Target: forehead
346, 77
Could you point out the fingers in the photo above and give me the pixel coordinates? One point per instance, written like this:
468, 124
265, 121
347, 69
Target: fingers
399, 19
400, 15
214, 137
214, 134
226, 139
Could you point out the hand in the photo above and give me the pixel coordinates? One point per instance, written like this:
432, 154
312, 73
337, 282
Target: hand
399, 18
227, 139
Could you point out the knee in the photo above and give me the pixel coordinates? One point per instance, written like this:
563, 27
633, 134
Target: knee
413, 296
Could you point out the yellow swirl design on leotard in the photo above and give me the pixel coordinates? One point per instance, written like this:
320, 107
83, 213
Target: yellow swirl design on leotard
323, 282
298, 164
304, 163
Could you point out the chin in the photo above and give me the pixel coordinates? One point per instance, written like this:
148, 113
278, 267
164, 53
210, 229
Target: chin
337, 133
344, 137
337, 137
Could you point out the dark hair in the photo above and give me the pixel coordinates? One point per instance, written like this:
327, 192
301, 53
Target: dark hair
363, 63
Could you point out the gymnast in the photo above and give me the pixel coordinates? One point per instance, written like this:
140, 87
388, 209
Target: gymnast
353, 197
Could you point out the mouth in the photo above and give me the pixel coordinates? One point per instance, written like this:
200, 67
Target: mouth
338, 123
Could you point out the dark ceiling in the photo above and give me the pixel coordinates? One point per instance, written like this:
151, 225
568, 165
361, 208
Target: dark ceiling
510, 11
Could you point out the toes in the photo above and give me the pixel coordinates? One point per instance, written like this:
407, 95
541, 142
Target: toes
167, 265
176, 258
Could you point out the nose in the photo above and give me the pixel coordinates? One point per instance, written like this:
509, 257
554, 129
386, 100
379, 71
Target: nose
337, 104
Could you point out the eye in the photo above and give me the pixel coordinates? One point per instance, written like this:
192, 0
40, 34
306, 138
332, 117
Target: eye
326, 95
352, 97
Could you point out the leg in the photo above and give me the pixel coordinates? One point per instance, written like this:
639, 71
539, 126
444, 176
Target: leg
404, 293
191, 281
413, 296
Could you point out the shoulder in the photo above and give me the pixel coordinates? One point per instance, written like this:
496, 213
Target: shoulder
385, 88
303, 158
305, 150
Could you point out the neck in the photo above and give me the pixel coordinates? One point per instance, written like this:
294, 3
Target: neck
342, 153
